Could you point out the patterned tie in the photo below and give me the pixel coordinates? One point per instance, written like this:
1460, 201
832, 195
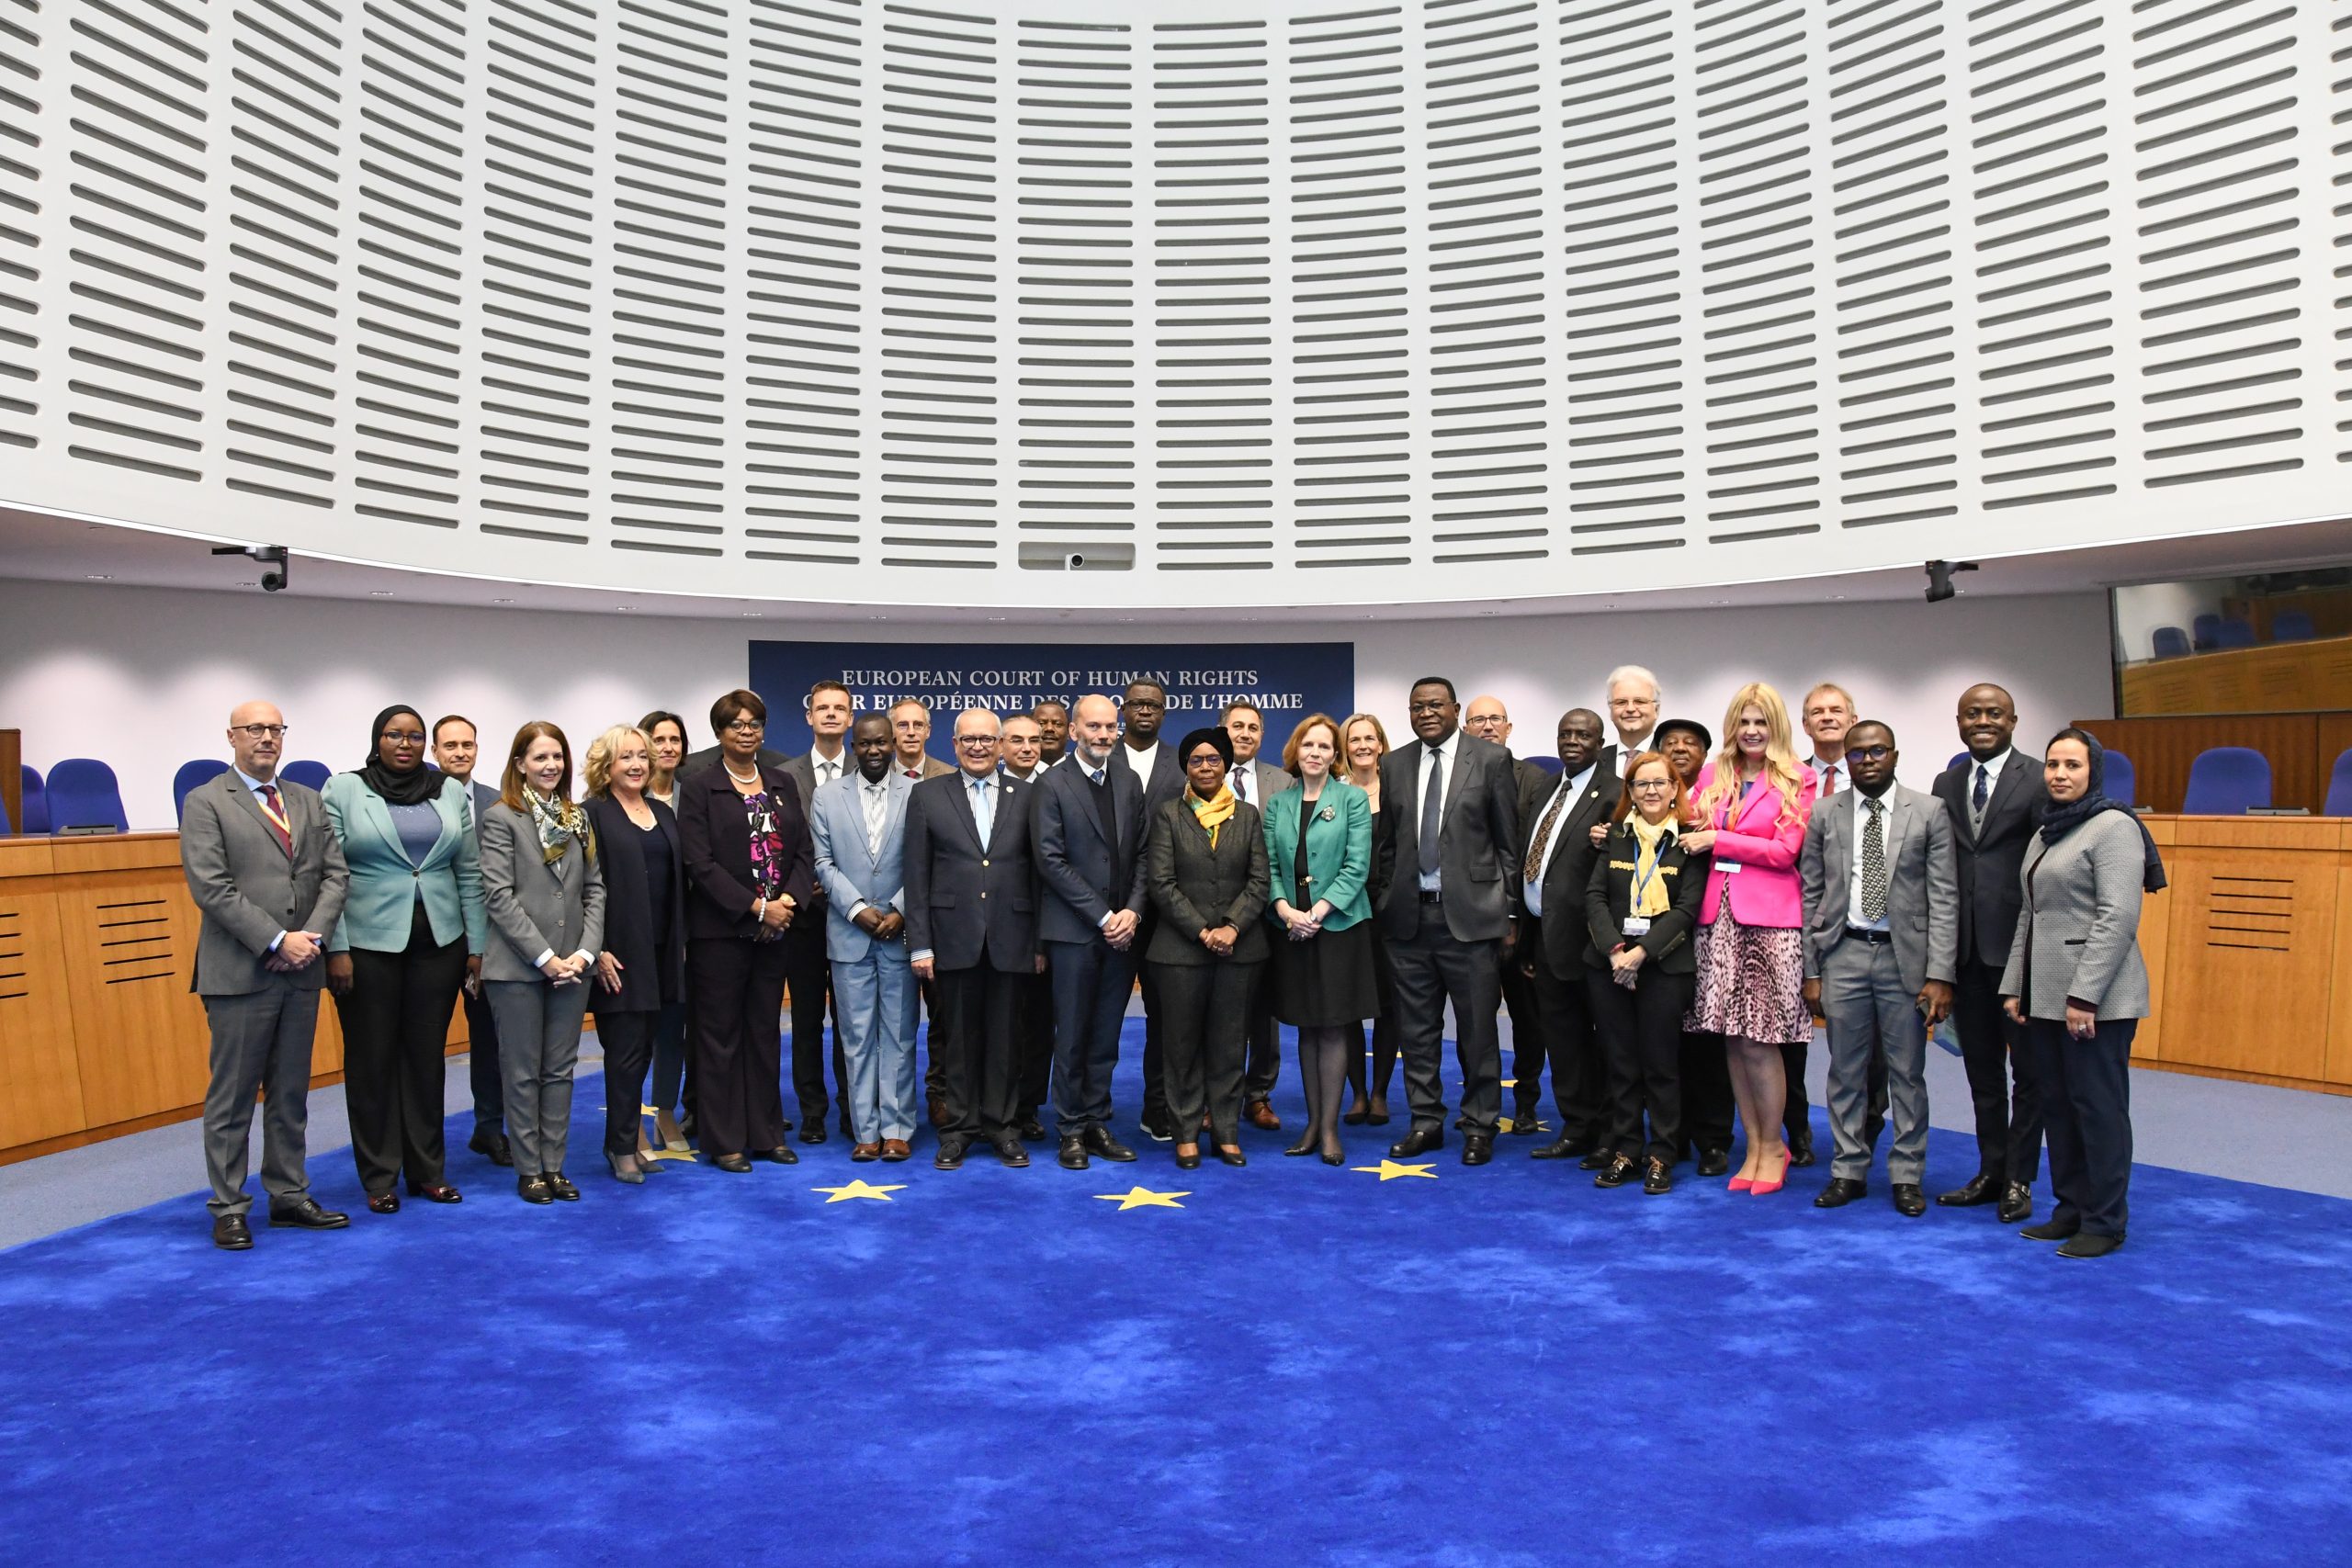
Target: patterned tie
1873, 860
1431, 824
1983, 783
1534, 865
1240, 781
981, 816
877, 803
275, 814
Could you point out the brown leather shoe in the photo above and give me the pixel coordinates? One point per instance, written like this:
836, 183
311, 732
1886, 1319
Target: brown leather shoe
866, 1152
895, 1149
1262, 1116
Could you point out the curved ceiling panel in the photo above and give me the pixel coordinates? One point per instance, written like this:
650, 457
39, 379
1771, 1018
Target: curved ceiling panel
919, 304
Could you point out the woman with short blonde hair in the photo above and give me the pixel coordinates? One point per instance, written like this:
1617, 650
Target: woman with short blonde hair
1364, 740
640, 972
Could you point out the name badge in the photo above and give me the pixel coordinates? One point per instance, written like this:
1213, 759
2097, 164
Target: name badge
1728, 867
1636, 925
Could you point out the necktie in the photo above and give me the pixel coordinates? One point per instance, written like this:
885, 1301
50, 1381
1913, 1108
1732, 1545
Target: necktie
1829, 781
877, 801
981, 813
828, 772
914, 774
1240, 781
1097, 776
275, 814
1873, 861
1534, 866
1983, 788
1431, 824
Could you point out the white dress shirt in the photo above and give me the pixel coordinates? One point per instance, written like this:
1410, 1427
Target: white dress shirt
1243, 776
873, 799
1574, 787
1992, 769
1432, 881
1832, 777
1627, 749
827, 769
1141, 763
1854, 920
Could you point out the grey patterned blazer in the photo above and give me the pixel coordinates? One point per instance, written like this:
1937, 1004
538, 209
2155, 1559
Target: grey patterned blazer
2078, 932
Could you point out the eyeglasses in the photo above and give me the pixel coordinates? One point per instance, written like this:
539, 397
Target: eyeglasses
1651, 783
1870, 753
976, 741
403, 737
1204, 760
748, 725
259, 731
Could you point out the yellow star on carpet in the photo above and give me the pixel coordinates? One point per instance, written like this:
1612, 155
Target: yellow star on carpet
1141, 1198
860, 1189
1389, 1170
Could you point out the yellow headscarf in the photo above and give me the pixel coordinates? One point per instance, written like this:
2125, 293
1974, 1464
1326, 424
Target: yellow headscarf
1214, 812
1650, 897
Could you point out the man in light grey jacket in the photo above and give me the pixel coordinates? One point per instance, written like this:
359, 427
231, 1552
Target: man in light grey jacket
267, 876
1881, 934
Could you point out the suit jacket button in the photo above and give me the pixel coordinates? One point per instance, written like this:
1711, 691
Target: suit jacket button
984, 863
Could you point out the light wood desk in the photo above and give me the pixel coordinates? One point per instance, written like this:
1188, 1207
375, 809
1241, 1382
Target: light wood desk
100, 1033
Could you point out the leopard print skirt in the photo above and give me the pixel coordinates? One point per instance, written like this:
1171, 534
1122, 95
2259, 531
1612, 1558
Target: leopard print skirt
1751, 982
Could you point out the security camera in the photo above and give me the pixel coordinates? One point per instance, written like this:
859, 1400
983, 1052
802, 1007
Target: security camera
1074, 561
272, 559
1939, 572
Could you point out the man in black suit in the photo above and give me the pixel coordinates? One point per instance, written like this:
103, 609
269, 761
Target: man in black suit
1997, 801
1052, 731
807, 975
1555, 857
971, 905
1021, 755
1489, 720
1089, 834
457, 749
1256, 781
1142, 708
1442, 866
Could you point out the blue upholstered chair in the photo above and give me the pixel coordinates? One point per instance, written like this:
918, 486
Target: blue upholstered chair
2226, 781
83, 794
2171, 642
1549, 764
36, 803
2292, 625
2233, 633
2339, 786
2205, 633
2122, 778
309, 775
203, 771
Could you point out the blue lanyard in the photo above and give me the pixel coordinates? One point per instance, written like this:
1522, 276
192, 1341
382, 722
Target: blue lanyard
1642, 879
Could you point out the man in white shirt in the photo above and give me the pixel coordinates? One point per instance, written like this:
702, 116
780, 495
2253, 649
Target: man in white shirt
911, 727
1024, 746
808, 971
1142, 708
1553, 865
456, 752
1052, 731
1827, 714
1634, 697
1020, 743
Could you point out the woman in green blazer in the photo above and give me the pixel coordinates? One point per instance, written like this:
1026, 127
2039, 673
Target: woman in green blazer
411, 933
1318, 852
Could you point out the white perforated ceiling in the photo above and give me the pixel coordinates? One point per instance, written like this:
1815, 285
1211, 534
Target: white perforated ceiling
1295, 304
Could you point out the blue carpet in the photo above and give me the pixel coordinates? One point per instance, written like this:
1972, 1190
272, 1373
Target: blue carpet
1299, 1366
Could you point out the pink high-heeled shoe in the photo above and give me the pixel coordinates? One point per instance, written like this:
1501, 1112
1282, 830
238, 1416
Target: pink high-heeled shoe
1758, 1189
1741, 1184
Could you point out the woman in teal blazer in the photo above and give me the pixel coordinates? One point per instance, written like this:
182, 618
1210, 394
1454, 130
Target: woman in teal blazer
1318, 853
411, 933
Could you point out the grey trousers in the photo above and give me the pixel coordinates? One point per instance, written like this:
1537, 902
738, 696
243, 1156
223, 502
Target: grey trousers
260, 1041
1870, 1010
539, 1045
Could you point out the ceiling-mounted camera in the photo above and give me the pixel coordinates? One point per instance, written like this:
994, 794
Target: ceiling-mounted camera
1939, 572
271, 558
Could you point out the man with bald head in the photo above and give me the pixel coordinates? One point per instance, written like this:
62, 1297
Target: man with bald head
1090, 839
267, 876
1489, 720
1997, 801
971, 899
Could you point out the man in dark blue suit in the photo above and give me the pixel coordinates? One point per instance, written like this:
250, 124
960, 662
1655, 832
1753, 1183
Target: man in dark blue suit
971, 904
456, 752
1089, 832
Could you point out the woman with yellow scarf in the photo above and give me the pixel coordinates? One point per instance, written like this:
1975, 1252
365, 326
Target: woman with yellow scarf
1642, 904
1205, 862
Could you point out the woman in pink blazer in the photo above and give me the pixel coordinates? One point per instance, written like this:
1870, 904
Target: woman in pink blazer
1752, 803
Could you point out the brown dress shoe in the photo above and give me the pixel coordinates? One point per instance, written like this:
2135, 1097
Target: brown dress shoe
1262, 1116
895, 1149
865, 1152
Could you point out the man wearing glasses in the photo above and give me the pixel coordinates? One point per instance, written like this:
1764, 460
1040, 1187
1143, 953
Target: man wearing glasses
1882, 939
267, 875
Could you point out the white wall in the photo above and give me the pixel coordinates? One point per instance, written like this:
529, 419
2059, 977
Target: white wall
2139, 610
144, 678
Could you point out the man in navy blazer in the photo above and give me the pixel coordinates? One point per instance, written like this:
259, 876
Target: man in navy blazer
457, 751
1089, 834
972, 928
1143, 708
858, 824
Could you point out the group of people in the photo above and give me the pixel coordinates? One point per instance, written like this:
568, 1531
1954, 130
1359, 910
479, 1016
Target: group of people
1662, 918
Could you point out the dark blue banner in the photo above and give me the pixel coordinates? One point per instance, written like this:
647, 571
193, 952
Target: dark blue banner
1287, 680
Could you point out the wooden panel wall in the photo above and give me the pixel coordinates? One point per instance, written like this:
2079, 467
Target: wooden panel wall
2280, 677
12, 777
2161, 749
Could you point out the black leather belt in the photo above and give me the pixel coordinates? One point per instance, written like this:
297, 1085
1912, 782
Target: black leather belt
1860, 935
1432, 896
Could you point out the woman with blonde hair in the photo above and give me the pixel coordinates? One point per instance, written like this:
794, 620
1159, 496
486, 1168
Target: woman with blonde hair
640, 973
1751, 806
1363, 742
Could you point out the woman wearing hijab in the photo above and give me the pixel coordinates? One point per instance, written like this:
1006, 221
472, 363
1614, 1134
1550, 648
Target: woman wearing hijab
1205, 867
411, 933
545, 895
2076, 982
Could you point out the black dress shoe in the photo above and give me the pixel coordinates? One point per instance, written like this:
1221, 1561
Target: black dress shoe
780, 1155
307, 1216
1099, 1140
1801, 1151
1713, 1162
2087, 1244
230, 1233
560, 1186
1008, 1149
734, 1164
1596, 1159
1232, 1157
1561, 1147
1073, 1155
1477, 1148
1909, 1201
435, 1191
633, 1176
383, 1203
1616, 1173
1357, 1117
1523, 1122
1032, 1131
1981, 1190
1188, 1161
813, 1129
1657, 1177
1419, 1141
533, 1190
1841, 1190
1307, 1145
2051, 1230
2017, 1203
492, 1144
950, 1156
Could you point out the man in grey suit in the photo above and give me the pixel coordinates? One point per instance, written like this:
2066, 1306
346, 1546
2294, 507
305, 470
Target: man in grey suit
808, 974
1257, 781
1882, 936
1090, 839
267, 876
1444, 850
859, 826
457, 751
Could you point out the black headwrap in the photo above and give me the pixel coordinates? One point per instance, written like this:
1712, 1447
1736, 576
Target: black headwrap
2061, 821
415, 787
1215, 737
